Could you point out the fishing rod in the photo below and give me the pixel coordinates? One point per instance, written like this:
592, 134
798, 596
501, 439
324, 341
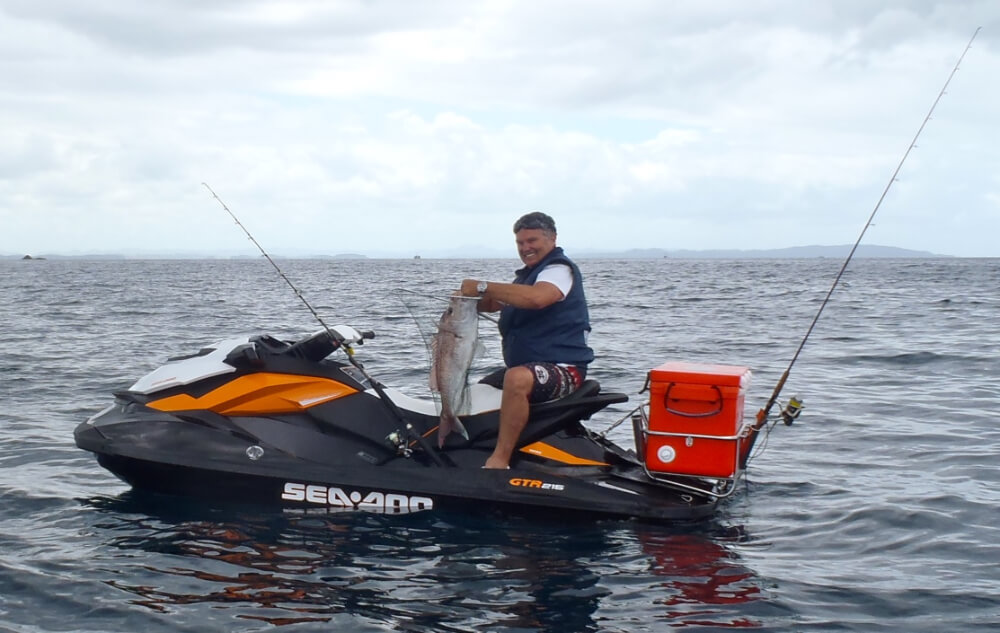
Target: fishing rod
794, 406
280, 272
340, 340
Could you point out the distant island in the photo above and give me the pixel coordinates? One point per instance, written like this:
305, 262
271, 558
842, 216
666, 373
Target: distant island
793, 252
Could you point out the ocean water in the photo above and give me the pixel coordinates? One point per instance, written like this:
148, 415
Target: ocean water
876, 511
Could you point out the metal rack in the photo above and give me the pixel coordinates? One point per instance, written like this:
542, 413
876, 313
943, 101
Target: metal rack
717, 487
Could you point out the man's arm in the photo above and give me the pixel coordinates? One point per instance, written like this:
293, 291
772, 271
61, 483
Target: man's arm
540, 295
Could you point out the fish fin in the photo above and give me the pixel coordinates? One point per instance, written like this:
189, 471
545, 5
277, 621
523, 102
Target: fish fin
432, 379
480, 349
459, 405
450, 424
461, 429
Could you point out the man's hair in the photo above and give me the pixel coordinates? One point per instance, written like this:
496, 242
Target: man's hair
536, 220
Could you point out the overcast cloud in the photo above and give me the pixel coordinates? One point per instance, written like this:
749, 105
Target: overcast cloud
398, 128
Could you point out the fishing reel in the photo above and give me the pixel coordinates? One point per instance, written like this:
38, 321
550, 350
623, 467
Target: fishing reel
398, 442
792, 410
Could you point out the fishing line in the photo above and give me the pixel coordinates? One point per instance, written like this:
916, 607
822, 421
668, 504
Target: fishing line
341, 342
437, 298
763, 413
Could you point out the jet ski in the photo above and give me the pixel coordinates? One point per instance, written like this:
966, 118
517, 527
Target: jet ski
269, 421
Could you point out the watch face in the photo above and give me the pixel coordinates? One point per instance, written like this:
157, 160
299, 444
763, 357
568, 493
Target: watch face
481, 287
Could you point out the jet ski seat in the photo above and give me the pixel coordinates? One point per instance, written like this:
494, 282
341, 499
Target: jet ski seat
312, 348
548, 417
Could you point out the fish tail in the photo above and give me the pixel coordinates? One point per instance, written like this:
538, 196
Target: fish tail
450, 423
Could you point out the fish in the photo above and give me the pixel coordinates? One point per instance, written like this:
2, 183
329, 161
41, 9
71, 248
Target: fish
452, 351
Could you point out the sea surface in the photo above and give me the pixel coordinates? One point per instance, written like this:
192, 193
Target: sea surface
876, 511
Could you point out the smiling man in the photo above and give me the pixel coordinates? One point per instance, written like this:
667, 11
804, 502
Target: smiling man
544, 324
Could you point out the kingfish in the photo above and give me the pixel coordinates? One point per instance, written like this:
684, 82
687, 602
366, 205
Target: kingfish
452, 350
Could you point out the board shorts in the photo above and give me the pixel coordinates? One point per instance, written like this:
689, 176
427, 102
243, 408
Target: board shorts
552, 381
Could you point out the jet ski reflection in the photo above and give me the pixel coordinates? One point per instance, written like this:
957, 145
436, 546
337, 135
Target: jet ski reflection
417, 572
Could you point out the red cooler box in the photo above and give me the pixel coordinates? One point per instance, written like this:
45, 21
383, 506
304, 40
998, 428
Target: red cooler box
695, 418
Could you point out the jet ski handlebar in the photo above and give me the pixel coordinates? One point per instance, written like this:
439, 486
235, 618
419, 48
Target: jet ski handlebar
345, 334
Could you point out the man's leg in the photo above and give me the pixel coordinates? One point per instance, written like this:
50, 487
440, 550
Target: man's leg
514, 408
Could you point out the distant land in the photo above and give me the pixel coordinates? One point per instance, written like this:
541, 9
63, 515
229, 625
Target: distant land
793, 252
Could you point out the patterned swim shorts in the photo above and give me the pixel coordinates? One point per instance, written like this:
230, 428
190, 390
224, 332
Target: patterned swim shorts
552, 381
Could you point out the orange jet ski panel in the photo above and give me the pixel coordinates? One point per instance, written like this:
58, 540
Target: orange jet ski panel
260, 394
548, 451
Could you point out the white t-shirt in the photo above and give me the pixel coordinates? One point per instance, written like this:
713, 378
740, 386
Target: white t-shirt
559, 275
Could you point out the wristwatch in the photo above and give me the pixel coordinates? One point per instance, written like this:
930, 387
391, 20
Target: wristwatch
481, 288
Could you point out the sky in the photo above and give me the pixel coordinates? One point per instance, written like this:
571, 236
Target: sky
400, 128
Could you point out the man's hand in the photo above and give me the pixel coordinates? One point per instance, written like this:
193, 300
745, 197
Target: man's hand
469, 288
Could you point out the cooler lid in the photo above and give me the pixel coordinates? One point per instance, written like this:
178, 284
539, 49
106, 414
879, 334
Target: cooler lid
701, 374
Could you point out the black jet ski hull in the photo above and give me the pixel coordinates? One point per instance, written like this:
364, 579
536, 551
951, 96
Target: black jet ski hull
376, 492
406, 486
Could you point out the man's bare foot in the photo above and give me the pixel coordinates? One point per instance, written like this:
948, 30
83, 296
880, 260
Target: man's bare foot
496, 463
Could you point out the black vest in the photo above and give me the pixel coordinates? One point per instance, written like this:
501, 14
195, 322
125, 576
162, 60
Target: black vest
556, 334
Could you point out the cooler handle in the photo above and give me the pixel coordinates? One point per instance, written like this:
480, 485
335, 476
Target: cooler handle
685, 414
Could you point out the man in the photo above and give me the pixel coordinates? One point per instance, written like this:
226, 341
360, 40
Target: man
544, 325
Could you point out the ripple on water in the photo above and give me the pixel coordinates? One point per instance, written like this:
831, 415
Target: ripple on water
875, 511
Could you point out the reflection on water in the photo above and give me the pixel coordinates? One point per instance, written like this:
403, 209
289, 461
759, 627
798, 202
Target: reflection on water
701, 574
420, 572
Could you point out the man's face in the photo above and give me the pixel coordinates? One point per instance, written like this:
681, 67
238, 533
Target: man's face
533, 245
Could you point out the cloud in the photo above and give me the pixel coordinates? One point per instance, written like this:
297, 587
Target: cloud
715, 125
